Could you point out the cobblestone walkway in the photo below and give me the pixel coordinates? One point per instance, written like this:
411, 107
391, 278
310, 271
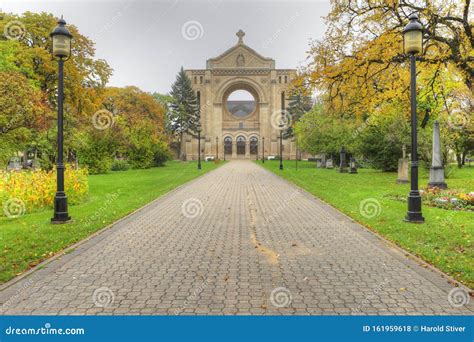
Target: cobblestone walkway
238, 240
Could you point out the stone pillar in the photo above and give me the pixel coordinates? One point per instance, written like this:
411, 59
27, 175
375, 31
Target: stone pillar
437, 169
247, 149
234, 149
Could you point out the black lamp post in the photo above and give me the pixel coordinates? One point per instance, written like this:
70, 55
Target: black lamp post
61, 49
413, 44
217, 148
199, 129
263, 150
223, 147
281, 126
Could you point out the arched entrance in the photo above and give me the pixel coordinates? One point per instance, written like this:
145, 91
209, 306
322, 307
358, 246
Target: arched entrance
241, 145
253, 145
228, 146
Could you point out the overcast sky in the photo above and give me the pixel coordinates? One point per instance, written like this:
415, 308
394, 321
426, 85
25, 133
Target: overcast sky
146, 42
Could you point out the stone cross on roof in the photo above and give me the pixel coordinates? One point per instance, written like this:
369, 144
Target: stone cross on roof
241, 35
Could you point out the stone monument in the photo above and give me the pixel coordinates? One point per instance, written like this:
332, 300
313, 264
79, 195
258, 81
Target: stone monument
329, 164
343, 164
403, 167
437, 169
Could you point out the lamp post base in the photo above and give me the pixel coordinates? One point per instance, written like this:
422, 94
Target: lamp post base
414, 209
60, 209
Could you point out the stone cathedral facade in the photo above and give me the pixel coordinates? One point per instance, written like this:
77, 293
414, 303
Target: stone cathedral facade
242, 128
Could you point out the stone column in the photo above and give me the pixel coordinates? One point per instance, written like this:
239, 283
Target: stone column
437, 169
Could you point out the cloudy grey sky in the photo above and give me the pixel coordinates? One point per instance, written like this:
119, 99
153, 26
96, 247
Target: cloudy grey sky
146, 42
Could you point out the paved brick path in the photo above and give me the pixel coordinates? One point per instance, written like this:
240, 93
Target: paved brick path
257, 245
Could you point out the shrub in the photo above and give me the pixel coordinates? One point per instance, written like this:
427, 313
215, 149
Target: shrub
162, 154
36, 189
120, 165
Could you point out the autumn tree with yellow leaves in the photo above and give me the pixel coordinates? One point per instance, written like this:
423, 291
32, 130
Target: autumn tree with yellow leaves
362, 74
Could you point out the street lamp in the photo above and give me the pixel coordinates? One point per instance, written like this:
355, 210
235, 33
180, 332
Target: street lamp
199, 129
281, 146
223, 147
413, 44
61, 49
263, 150
217, 148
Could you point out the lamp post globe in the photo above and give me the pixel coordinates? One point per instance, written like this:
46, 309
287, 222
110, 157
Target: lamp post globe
413, 36
61, 49
412, 45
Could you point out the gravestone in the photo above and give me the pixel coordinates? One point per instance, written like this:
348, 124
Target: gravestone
352, 166
329, 164
343, 164
403, 168
437, 169
14, 165
318, 163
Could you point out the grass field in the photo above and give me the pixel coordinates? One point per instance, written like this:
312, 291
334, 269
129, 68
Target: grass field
445, 240
28, 240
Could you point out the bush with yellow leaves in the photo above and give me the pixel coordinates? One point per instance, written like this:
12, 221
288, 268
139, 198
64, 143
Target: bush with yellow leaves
26, 191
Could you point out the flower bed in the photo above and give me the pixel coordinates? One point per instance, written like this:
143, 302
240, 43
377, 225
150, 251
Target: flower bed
448, 199
445, 199
22, 192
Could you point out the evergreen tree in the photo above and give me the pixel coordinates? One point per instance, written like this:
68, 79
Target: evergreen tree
299, 103
183, 110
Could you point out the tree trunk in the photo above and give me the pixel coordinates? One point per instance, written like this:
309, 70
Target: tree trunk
459, 160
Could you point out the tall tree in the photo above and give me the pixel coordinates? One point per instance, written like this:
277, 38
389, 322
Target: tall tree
183, 111
299, 103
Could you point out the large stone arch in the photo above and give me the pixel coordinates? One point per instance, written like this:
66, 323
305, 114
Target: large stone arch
236, 83
240, 67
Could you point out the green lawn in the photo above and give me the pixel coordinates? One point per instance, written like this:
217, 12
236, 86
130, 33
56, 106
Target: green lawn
444, 240
28, 240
